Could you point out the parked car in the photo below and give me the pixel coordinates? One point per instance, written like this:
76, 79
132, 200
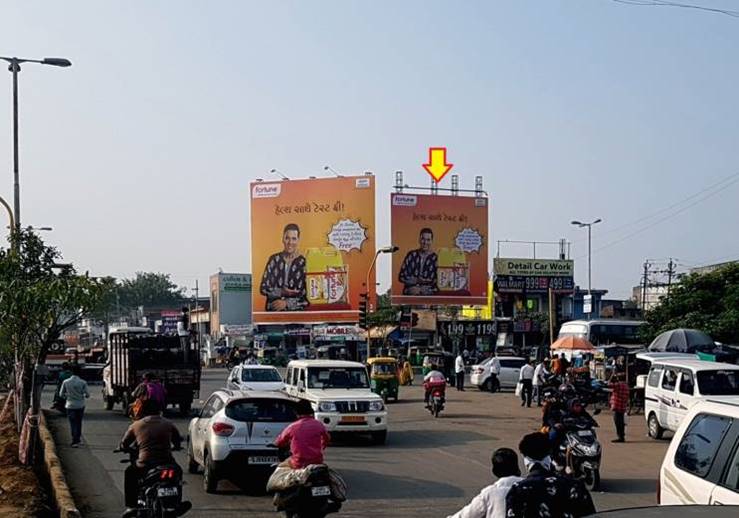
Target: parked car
255, 377
230, 437
508, 378
340, 394
701, 466
674, 386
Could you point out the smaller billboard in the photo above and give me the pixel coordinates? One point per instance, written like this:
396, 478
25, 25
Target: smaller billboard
534, 267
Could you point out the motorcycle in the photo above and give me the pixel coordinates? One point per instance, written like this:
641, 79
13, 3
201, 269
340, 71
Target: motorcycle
311, 492
579, 452
437, 397
160, 490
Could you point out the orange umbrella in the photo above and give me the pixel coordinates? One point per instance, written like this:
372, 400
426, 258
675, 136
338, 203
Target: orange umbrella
572, 343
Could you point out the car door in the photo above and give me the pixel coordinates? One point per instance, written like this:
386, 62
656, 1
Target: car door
666, 397
199, 431
727, 493
684, 397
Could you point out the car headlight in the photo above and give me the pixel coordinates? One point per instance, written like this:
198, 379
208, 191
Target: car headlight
376, 406
327, 406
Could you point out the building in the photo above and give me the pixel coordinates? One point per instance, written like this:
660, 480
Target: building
230, 301
711, 267
650, 298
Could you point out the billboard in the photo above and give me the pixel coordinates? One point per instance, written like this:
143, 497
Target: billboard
312, 243
443, 249
516, 275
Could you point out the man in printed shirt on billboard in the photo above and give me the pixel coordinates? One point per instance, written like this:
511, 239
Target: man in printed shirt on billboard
283, 281
418, 272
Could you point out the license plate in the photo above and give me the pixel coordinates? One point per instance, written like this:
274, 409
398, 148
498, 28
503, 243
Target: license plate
584, 433
352, 419
262, 460
320, 491
167, 491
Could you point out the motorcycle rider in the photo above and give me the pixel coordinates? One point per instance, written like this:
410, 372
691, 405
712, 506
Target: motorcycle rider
306, 437
154, 436
433, 378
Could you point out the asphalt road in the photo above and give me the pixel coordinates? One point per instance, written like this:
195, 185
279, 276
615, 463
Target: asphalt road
429, 467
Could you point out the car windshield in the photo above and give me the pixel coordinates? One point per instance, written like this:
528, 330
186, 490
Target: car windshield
337, 377
263, 410
260, 375
719, 383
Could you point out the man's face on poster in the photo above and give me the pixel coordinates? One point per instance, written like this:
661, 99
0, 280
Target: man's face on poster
290, 241
425, 240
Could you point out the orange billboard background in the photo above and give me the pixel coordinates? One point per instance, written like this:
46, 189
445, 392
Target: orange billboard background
336, 245
452, 269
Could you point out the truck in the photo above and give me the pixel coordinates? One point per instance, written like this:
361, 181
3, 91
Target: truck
174, 360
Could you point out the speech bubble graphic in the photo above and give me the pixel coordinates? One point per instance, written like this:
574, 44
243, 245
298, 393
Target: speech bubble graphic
468, 240
347, 235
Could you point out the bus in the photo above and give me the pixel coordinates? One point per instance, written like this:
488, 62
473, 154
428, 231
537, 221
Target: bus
604, 331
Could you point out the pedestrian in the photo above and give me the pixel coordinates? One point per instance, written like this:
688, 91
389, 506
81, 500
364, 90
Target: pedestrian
494, 373
563, 365
490, 503
544, 492
540, 375
526, 378
151, 388
619, 403
459, 371
64, 375
74, 390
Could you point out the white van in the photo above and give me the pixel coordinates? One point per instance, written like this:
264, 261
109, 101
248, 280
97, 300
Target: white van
340, 394
701, 466
674, 386
604, 331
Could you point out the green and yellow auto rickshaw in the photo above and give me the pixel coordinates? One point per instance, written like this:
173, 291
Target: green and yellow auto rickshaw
384, 377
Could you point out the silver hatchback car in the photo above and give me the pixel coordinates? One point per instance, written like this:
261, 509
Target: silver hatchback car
231, 436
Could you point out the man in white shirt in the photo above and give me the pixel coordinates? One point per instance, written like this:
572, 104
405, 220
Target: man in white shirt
459, 371
490, 503
74, 389
540, 374
494, 373
526, 378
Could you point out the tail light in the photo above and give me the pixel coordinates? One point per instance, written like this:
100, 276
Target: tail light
167, 474
222, 429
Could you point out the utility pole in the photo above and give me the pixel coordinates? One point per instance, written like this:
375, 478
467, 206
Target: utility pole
670, 273
645, 285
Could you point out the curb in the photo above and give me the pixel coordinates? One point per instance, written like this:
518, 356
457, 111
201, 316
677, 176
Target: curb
60, 490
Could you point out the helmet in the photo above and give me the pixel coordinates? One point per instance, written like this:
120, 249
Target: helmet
567, 390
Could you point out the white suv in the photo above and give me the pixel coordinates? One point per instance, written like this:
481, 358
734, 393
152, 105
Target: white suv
701, 466
254, 377
231, 435
508, 378
340, 394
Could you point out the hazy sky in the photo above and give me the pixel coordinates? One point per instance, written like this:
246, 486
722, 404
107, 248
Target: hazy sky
140, 155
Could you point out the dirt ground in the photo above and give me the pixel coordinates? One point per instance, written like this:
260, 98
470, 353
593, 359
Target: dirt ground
21, 493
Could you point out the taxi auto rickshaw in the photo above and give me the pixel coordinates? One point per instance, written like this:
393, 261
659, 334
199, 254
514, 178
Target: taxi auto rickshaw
384, 377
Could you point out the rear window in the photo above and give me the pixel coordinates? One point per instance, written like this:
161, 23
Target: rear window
512, 364
262, 410
700, 443
719, 383
260, 375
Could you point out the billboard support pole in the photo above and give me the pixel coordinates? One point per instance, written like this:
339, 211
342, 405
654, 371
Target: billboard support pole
399, 181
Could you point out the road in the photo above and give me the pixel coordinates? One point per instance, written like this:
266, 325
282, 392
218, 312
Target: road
429, 467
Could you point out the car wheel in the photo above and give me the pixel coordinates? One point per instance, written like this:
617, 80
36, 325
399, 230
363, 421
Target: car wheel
210, 479
654, 428
192, 465
487, 386
379, 438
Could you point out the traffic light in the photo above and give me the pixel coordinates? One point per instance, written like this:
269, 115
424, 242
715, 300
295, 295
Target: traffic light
363, 310
405, 318
414, 319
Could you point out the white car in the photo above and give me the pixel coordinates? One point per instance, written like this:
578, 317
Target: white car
340, 394
701, 466
510, 366
255, 377
230, 436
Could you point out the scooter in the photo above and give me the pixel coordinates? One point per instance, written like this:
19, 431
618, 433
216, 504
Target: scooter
312, 494
579, 452
160, 490
437, 398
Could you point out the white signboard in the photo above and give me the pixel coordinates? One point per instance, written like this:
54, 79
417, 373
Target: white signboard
587, 305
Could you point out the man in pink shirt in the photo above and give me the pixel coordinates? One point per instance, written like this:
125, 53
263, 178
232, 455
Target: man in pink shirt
307, 438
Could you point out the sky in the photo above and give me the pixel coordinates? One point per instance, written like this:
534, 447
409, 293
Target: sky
140, 155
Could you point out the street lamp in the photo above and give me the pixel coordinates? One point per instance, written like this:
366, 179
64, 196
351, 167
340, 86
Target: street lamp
14, 69
384, 250
10, 213
590, 255
40, 229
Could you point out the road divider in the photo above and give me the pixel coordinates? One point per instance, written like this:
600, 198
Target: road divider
61, 495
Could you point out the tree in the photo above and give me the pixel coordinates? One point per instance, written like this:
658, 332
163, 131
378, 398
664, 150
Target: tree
708, 301
149, 289
384, 314
39, 299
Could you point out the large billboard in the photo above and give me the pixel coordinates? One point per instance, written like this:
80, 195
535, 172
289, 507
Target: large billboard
312, 243
443, 249
517, 275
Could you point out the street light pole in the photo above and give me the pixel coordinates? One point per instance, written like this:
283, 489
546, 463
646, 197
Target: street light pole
385, 250
14, 68
590, 258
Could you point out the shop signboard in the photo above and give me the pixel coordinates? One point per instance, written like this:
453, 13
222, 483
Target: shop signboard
312, 243
442, 256
169, 320
237, 329
337, 333
236, 282
468, 328
519, 284
534, 267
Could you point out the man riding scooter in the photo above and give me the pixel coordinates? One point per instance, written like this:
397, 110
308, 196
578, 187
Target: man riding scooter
435, 379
